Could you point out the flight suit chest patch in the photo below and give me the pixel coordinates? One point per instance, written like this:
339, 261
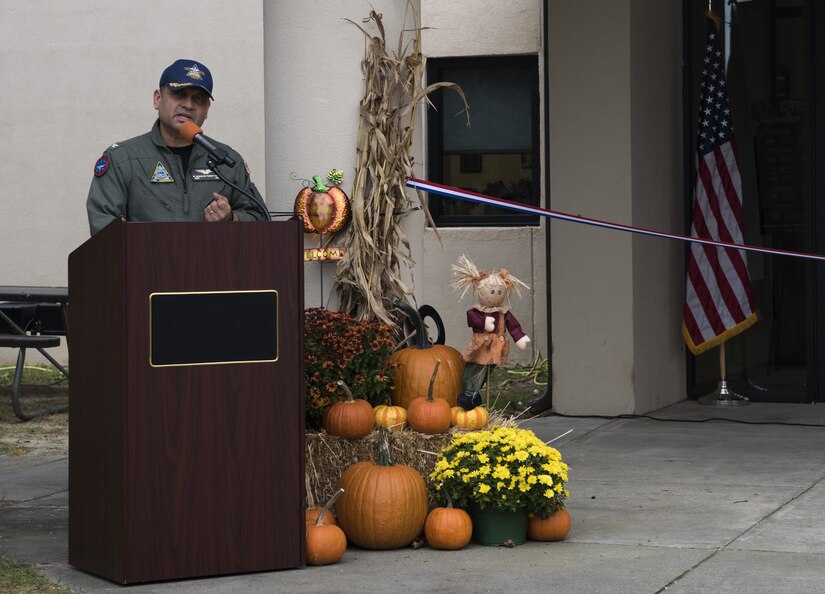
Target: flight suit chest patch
161, 175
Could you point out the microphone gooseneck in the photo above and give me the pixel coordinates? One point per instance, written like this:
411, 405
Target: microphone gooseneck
191, 132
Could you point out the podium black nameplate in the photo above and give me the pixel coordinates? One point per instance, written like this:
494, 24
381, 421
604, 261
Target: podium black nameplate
215, 327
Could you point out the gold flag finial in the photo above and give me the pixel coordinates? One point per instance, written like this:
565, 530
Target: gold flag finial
717, 20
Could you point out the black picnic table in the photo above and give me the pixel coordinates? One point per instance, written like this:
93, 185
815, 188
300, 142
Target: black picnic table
33, 317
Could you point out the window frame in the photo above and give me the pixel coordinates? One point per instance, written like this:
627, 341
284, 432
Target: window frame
435, 152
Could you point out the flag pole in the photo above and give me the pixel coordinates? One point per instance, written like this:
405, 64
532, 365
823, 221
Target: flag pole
723, 395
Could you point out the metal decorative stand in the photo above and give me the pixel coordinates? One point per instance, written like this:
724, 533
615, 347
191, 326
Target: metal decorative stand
723, 396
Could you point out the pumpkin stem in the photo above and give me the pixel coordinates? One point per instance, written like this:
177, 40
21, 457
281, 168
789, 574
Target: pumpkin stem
310, 496
346, 390
320, 186
421, 339
432, 381
384, 458
327, 506
447, 495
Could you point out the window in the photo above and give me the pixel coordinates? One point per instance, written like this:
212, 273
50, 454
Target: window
498, 155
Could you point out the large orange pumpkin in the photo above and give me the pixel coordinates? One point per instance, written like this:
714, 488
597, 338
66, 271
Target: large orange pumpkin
325, 543
552, 528
429, 415
351, 418
323, 209
413, 366
384, 505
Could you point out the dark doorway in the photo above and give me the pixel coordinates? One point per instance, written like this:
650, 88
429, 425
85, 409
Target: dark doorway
771, 70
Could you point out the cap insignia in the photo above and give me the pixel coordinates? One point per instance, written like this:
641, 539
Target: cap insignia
193, 72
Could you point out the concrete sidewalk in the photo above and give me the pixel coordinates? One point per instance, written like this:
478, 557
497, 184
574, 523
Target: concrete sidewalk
657, 505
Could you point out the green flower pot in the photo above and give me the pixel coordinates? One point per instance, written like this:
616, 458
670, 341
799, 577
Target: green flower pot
493, 527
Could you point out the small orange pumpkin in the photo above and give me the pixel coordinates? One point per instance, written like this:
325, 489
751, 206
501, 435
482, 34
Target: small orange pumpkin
325, 543
392, 417
472, 420
322, 208
384, 505
351, 418
429, 415
412, 366
552, 528
312, 514
448, 528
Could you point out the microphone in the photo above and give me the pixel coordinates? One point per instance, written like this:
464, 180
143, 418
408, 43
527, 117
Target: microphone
191, 132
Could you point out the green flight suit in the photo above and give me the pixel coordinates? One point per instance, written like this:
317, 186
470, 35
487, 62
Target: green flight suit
140, 179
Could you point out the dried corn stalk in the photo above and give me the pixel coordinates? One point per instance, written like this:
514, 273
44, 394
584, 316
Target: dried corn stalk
368, 279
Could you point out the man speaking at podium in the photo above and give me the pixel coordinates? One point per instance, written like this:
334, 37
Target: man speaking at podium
162, 175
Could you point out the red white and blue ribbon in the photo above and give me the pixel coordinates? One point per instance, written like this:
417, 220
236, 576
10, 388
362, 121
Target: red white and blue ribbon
451, 192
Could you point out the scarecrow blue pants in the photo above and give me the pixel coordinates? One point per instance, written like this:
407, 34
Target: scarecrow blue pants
475, 376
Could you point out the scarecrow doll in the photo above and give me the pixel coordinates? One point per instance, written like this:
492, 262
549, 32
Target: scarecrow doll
489, 319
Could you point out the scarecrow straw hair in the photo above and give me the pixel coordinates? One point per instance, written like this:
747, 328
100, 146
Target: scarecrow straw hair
468, 276
368, 278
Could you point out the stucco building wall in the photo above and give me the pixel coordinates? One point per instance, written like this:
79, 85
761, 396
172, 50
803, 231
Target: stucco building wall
615, 154
288, 80
78, 76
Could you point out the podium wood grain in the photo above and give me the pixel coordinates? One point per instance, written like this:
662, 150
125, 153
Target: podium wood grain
194, 470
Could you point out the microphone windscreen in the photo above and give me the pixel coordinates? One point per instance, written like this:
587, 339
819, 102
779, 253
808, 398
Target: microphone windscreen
188, 130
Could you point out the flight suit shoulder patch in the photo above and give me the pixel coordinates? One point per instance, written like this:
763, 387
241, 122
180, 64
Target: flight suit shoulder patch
101, 166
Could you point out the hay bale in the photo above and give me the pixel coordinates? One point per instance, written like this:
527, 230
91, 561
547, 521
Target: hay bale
327, 456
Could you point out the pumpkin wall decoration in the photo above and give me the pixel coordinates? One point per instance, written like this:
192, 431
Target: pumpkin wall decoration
351, 418
471, 420
427, 414
323, 208
384, 505
413, 366
448, 528
325, 543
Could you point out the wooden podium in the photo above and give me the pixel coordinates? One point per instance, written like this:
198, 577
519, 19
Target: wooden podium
186, 442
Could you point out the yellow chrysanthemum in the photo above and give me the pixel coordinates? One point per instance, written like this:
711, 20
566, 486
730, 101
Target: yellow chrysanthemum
515, 459
501, 472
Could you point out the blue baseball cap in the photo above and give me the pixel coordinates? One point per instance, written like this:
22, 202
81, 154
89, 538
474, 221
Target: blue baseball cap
187, 73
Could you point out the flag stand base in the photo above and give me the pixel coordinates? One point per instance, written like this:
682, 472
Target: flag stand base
724, 397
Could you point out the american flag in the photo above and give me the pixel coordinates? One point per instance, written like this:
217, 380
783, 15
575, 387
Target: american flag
718, 301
